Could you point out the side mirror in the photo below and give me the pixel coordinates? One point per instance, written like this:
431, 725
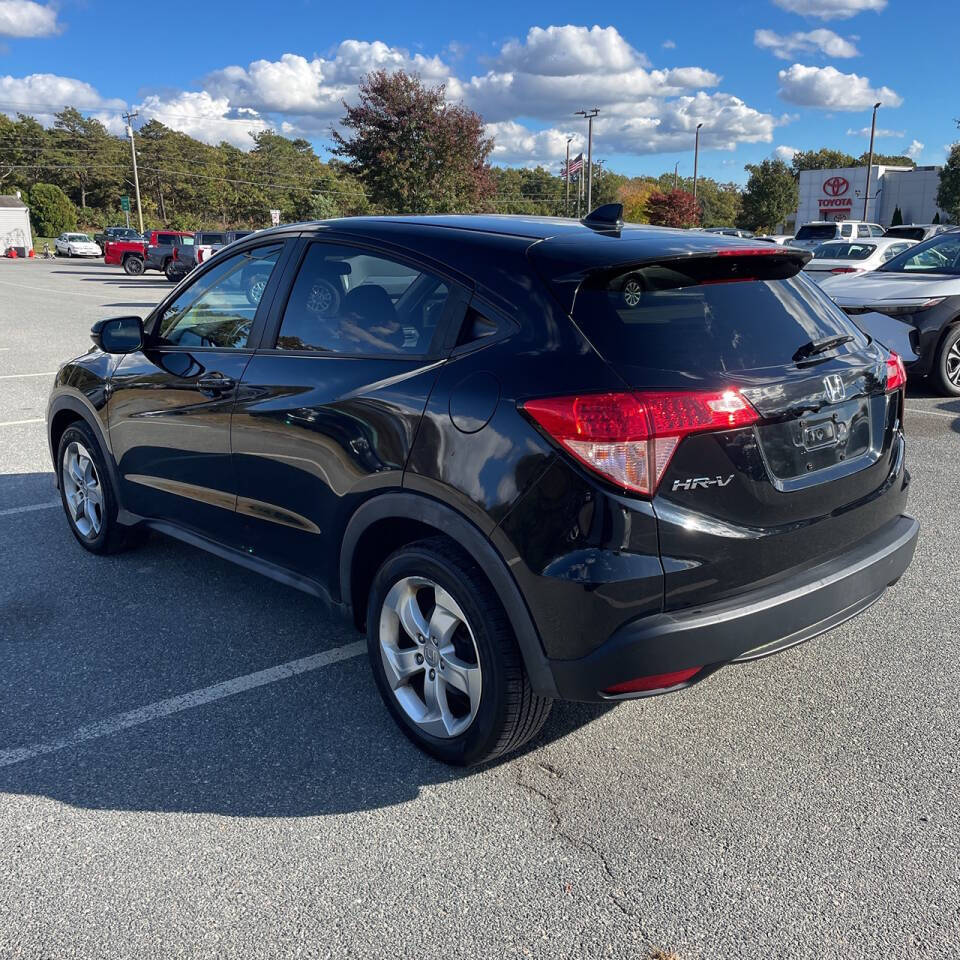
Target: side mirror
118, 334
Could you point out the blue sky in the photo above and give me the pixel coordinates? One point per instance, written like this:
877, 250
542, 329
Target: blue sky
764, 77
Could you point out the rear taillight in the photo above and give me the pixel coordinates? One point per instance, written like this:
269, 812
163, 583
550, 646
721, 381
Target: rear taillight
659, 681
845, 270
896, 373
629, 438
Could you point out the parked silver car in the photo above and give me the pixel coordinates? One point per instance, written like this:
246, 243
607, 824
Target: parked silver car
855, 256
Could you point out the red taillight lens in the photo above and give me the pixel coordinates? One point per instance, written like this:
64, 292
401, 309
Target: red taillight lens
629, 438
659, 681
845, 270
896, 373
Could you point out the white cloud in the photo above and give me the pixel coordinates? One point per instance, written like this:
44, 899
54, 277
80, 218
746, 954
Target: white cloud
827, 87
44, 94
880, 132
914, 150
831, 9
562, 51
515, 143
669, 45
25, 18
785, 153
789, 45
210, 119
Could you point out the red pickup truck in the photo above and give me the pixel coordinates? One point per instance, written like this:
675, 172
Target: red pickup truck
154, 253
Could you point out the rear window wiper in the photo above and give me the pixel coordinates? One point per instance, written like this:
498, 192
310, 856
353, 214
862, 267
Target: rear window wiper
814, 347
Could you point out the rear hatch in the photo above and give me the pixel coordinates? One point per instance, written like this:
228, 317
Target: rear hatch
807, 468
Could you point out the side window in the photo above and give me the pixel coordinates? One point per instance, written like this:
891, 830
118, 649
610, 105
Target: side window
846, 230
876, 230
218, 309
350, 301
863, 230
164, 238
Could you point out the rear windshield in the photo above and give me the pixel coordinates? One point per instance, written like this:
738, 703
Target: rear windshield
207, 238
906, 233
660, 317
843, 251
817, 231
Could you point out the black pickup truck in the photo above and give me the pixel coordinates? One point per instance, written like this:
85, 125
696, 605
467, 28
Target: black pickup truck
205, 244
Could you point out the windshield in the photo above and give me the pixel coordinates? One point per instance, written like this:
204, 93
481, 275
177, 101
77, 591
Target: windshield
843, 251
938, 255
817, 231
662, 317
79, 237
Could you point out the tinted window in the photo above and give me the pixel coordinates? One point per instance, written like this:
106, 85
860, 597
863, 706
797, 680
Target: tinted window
165, 238
907, 233
939, 254
662, 318
818, 231
346, 300
846, 230
218, 309
843, 251
208, 238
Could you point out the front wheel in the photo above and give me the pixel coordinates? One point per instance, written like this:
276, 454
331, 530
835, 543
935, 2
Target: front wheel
946, 372
445, 658
133, 266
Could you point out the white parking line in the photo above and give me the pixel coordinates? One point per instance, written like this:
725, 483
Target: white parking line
17, 423
10, 511
933, 413
186, 701
21, 376
27, 286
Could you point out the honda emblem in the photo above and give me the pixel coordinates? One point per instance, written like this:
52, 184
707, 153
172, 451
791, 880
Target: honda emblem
833, 385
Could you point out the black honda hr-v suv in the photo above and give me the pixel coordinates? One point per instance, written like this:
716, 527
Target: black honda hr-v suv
534, 459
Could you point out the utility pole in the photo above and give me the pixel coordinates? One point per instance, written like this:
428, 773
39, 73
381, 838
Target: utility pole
133, 152
566, 189
676, 167
873, 130
696, 158
589, 115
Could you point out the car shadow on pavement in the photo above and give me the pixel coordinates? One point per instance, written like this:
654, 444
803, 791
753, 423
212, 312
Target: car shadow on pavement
85, 638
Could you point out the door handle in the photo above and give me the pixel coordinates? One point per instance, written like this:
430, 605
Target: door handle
215, 383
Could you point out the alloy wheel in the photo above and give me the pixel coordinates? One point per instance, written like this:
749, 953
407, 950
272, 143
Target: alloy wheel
430, 657
953, 364
82, 490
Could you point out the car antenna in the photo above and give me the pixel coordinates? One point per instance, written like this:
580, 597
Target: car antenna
608, 217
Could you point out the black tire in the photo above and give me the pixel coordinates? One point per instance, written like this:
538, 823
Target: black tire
133, 266
946, 369
509, 712
111, 537
254, 287
170, 271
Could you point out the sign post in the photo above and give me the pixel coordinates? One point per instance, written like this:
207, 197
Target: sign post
125, 207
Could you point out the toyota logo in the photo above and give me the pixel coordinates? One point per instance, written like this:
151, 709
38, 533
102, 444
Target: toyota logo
836, 186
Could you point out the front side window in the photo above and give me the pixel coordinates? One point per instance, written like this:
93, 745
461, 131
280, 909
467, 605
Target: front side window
940, 254
346, 300
219, 308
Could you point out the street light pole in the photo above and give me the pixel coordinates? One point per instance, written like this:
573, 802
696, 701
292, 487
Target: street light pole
136, 177
696, 158
873, 130
676, 167
589, 115
566, 189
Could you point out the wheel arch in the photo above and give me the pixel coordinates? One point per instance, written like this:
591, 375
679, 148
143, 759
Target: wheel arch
66, 409
390, 520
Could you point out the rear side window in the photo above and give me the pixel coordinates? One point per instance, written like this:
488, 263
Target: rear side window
346, 300
846, 230
166, 238
661, 317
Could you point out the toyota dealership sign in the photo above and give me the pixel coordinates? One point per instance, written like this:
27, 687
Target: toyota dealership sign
835, 200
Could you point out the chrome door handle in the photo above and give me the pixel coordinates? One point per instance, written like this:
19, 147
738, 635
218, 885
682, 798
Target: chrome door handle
215, 383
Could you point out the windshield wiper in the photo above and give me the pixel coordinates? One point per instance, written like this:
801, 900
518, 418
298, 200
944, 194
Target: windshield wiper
814, 347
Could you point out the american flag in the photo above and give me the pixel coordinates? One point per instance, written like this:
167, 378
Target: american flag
576, 165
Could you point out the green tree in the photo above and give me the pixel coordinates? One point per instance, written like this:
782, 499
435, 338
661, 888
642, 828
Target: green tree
886, 159
948, 193
51, 210
770, 196
87, 161
897, 219
674, 209
822, 159
411, 150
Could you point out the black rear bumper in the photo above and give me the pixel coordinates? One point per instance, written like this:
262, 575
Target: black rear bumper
751, 625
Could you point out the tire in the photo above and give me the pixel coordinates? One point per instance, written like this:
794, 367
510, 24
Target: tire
946, 371
81, 465
170, 272
437, 584
255, 286
133, 266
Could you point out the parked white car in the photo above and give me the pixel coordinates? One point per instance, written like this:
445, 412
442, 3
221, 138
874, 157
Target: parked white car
811, 235
77, 245
857, 256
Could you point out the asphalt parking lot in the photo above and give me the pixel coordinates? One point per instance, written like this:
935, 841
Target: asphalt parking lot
194, 760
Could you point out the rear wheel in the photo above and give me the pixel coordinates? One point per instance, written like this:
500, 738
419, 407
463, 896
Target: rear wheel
445, 659
170, 272
87, 495
947, 370
133, 266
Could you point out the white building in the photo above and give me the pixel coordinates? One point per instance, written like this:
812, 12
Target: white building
839, 194
14, 226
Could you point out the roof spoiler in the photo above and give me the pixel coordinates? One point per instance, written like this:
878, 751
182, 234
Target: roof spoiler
608, 217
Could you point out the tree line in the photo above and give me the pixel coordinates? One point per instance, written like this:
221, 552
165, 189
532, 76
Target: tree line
402, 148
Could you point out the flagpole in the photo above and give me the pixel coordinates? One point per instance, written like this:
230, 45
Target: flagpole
566, 172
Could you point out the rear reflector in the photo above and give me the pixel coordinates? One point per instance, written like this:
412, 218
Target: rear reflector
659, 681
896, 373
629, 438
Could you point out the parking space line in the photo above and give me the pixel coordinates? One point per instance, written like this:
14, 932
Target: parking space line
17, 423
21, 376
933, 413
186, 701
10, 511
27, 286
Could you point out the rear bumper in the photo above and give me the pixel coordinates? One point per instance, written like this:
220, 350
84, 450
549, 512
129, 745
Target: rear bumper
753, 625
